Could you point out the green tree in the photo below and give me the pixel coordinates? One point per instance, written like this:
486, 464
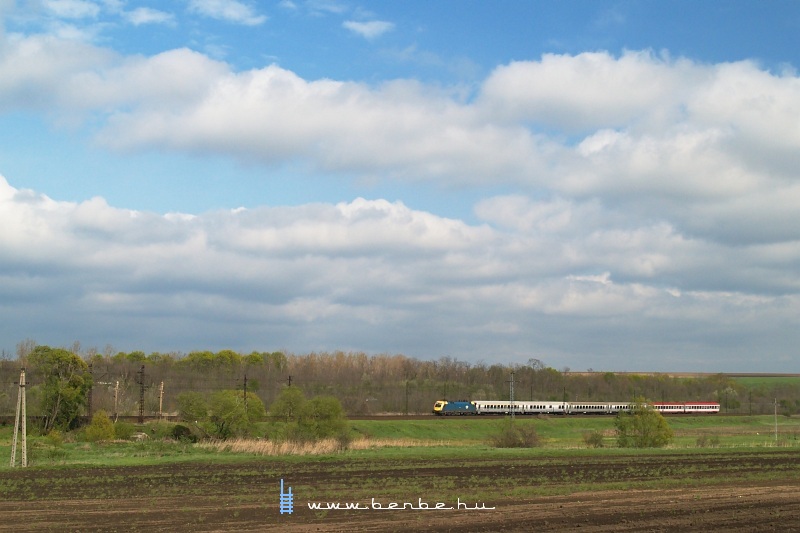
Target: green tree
643, 427
227, 359
288, 404
101, 427
136, 357
253, 359
322, 417
192, 406
278, 360
228, 415
65, 381
199, 360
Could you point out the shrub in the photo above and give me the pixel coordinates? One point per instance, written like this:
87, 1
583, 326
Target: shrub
511, 435
288, 404
101, 428
593, 439
55, 438
343, 440
160, 429
124, 430
192, 406
55, 450
308, 421
183, 434
231, 416
322, 417
643, 427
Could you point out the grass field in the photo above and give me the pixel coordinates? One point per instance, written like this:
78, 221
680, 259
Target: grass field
467, 436
567, 432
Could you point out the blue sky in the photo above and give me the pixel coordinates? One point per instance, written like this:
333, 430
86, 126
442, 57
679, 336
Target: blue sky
608, 185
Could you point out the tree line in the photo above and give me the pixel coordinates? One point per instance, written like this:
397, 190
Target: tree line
116, 382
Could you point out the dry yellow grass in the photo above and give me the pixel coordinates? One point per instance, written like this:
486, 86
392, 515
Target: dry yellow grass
364, 443
320, 447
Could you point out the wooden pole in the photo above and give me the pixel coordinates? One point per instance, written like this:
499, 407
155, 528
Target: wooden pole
21, 414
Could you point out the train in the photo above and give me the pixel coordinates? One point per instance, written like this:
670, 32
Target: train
505, 407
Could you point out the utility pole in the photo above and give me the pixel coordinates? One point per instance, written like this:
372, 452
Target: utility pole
116, 395
512, 395
245, 394
20, 412
91, 388
776, 419
161, 401
405, 411
409, 377
140, 382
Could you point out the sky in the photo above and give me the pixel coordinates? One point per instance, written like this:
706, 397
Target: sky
597, 185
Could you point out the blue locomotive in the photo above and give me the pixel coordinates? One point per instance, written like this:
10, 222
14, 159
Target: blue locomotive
461, 407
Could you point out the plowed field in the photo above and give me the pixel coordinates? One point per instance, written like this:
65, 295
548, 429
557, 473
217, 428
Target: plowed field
666, 492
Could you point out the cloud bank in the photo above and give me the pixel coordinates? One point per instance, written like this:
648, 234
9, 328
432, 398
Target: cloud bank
651, 211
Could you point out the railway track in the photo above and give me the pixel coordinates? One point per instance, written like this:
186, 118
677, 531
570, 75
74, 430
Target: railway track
9, 419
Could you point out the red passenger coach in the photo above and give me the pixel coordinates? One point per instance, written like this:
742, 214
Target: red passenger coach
688, 408
702, 408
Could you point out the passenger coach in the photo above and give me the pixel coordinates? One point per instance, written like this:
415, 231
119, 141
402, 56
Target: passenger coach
488, 407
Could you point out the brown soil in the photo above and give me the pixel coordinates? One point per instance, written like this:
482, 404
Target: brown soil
244, 496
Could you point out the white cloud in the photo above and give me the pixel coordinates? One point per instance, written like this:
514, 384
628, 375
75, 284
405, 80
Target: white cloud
73, 9
228, 10
146, 15
592, 90
32, 69
369, 30
660, 138
274, 115
49, 74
